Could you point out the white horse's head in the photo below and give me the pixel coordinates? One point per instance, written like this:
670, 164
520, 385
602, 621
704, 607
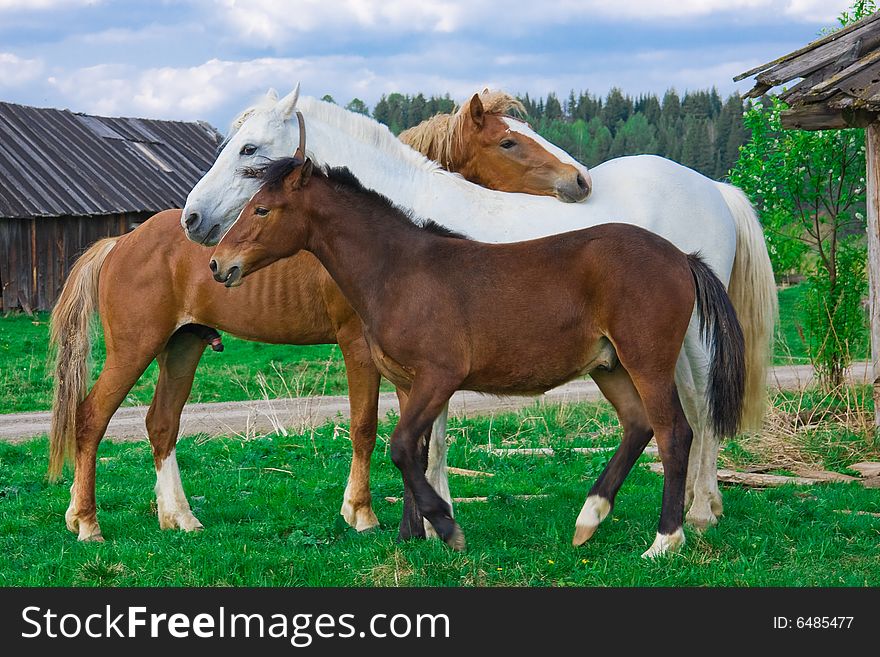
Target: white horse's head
264, 132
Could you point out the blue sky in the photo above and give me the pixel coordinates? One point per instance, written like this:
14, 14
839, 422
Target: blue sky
203, 59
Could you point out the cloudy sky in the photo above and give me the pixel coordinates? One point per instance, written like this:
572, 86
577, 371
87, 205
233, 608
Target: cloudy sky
203, 59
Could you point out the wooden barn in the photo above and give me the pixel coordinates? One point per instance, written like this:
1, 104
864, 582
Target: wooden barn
68, 179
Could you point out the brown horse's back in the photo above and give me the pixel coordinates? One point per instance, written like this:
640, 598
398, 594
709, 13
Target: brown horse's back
562, 331
155, 280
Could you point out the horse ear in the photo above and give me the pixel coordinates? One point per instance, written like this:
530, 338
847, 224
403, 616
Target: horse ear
287, 105
272, 94
301, 175
476, 107
305, 172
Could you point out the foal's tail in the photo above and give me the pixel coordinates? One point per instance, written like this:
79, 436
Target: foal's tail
71, 345
721, 331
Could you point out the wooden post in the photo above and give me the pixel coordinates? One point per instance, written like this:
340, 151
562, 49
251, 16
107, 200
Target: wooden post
872, 158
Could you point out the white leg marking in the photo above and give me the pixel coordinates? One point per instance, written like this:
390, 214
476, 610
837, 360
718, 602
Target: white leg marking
594, 511
85, 531
665, 543
436, 473
174, 510
361, 519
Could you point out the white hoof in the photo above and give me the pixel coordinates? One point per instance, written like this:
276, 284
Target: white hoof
594, 511
701, 519
184, 520
664, 544
362, 519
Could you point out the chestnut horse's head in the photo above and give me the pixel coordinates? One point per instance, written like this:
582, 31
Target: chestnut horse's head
271, 226
489, 148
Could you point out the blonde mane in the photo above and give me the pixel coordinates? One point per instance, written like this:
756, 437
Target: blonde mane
439, 136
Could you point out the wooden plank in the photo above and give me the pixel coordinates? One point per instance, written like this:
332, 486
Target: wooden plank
819, 56
872, 201
867, 468
761, 480
813, 117
549, 451
463, 472
851, 75
834, 36
469, 500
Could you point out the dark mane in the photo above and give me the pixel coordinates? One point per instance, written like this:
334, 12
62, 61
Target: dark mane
274, 172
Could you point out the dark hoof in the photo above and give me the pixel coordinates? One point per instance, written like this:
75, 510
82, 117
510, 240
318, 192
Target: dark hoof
456, 540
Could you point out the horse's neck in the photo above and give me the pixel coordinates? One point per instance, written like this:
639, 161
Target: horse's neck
359, 248
398, 172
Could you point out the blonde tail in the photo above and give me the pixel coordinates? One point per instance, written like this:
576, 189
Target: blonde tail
71, 345
752, 291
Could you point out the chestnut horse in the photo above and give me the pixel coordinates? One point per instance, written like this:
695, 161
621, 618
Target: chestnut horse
443, 313
153, 292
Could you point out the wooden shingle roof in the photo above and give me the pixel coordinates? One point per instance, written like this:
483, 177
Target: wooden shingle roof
840, 79
60, 163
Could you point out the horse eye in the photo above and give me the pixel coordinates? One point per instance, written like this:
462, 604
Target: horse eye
261, 211
507, 143
248, 149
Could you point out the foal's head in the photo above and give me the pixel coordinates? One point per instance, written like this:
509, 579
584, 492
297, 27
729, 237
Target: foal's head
271, 226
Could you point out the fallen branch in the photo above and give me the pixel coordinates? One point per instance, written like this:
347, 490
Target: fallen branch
857, 513
549, 451
867, 468
467, 500
468, 473
760, 480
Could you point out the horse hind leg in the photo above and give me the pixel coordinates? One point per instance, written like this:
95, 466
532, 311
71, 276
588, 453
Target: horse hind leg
702, 497
674, 438
92, 417
618, 388
436, 471
177, 367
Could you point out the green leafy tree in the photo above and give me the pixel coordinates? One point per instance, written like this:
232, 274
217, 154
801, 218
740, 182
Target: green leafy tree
358, 106
809, 188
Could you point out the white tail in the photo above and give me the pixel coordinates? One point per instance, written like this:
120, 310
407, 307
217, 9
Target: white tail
752, 291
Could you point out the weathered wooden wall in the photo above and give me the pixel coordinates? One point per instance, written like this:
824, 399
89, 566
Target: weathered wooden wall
36, 254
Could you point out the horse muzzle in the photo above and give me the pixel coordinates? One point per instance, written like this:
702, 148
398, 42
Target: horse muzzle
574, 189
230, 277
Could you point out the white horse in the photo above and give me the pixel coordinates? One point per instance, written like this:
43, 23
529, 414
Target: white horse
692, 211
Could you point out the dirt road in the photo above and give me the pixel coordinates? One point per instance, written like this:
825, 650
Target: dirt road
263, 416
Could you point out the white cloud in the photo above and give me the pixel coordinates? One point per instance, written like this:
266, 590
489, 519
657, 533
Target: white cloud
271, 23
16, 71
42, 5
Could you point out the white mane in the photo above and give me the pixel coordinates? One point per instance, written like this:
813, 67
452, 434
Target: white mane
366, 130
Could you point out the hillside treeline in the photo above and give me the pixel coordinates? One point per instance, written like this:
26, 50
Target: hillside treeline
698, 129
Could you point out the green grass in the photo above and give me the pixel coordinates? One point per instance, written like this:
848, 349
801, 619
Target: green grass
235, 374
280, 526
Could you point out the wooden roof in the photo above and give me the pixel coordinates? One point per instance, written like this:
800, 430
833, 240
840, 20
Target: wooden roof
58, 163
840, 79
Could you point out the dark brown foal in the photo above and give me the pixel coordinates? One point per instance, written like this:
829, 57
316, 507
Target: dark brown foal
442, 313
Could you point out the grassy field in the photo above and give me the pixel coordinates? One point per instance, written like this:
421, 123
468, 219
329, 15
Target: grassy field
270, 508
247, 370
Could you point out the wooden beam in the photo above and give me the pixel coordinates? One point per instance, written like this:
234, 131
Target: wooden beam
834, 36
827, 116
872, 157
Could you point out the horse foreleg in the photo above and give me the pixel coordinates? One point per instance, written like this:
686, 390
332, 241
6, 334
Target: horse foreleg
618, 388
92, 417
363, 397
436, 471
424, 403
412, 524
177, 368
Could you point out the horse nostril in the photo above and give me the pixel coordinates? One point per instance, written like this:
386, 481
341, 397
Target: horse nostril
213, 266
581, 182
192, 220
